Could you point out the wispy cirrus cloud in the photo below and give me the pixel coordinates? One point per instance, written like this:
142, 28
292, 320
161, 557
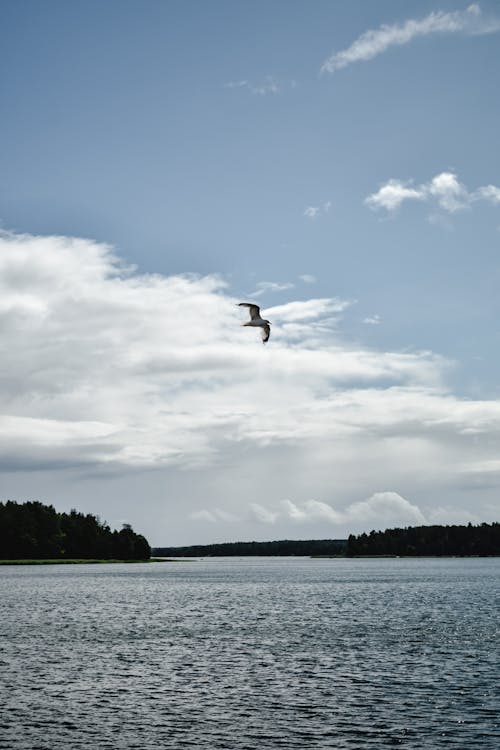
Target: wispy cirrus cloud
444, 190
268, 86
271, 286
375, 42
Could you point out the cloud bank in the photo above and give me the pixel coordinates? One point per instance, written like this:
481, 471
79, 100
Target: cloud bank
379, 511
105, 369
375, 42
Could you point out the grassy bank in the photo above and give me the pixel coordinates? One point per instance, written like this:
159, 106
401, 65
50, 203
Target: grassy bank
74, 561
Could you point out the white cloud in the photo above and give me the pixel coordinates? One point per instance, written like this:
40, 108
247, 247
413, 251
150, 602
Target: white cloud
292, 511
307, 310
308, 278
263, 515
384, 508
216, 515
444, 189
489, 193
450, 194
313, 212
237, 84
372, 320
321, 511
374, 42
106, 370
268, 86
392, 194
271, 286
380, 510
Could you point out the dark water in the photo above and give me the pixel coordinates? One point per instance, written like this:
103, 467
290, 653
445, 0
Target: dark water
263, 653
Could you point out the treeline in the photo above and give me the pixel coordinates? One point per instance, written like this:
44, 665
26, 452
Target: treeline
482, 540
284, 547
33, 530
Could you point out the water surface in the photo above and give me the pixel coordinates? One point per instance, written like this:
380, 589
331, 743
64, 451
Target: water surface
251, 653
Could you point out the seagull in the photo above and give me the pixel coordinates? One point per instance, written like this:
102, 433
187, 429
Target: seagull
256, 320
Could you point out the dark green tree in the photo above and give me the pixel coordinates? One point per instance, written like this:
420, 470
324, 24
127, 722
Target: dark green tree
33, 530
429, 540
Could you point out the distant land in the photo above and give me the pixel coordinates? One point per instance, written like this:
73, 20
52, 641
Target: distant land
284, 547
463, 541
413, 541
32, 531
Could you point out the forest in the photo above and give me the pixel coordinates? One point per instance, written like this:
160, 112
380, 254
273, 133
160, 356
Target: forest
481, 540
33, 530
282, 547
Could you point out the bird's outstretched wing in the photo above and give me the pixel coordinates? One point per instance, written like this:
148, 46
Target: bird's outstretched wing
266, 332
254, 310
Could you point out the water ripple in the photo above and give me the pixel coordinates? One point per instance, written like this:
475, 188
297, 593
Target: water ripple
246, 654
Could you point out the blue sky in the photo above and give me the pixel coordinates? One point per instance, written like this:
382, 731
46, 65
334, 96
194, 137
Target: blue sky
339, 154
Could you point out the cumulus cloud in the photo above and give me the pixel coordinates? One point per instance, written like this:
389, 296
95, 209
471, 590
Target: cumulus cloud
383, 508
105, 369
310, 510
106, 365
375, 42
380, 510
450, 194
443, 190
308, 278
391, 195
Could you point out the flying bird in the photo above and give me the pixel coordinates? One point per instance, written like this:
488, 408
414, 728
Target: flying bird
256, 321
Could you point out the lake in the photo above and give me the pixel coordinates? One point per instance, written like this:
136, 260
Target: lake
251, 653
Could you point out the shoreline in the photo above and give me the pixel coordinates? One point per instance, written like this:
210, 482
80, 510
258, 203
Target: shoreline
81, 561
84, 561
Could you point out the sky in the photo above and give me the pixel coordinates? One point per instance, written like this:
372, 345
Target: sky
335, 162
